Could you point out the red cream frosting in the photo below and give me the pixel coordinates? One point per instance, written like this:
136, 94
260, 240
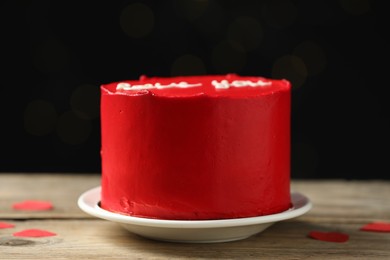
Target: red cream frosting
196, 147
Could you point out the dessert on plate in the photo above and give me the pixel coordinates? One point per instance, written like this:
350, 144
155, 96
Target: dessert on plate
196, 147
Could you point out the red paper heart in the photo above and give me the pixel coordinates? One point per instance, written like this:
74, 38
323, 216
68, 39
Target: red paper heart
33, 205
377, 227
329, 236
34, 233
6, 225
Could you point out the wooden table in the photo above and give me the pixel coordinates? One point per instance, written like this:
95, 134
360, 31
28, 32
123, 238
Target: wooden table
339, 205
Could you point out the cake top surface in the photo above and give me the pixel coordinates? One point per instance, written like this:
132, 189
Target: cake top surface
230, 85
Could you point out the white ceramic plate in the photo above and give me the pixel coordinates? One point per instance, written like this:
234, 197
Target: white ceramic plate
193, 231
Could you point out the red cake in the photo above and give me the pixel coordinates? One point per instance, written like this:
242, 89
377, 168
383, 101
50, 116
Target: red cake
196, 147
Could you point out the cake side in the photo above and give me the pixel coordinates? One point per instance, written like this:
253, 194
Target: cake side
198, 155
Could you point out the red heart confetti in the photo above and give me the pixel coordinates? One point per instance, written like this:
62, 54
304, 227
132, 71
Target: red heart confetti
6, 225
336, 237
34, 233
33, 205
377, 227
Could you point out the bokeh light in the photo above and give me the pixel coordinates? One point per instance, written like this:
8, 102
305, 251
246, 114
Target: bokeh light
85, 101
51, 56
292, 68
137, 20
211, 22
313, 56
40, 117
355, 7
247, 31
279, 13
228, 57
190, 9
188, 65
72, 129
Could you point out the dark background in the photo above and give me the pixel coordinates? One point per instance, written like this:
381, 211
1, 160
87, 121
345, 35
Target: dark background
55, 54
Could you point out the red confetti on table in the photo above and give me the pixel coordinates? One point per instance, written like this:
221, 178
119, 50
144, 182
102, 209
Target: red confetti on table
34, 233
336, 237
33, 205
377, 227
6, 225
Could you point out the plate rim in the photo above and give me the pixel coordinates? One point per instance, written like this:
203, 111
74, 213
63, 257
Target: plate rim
88, 202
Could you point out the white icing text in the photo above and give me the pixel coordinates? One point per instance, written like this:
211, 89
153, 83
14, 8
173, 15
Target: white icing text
127, 86
223, 84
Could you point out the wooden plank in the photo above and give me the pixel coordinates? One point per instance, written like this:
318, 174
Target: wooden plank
62, 190
333, 200
100, 239
338, 200
346, 201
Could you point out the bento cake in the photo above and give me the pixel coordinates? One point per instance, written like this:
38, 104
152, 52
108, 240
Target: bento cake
196, 147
